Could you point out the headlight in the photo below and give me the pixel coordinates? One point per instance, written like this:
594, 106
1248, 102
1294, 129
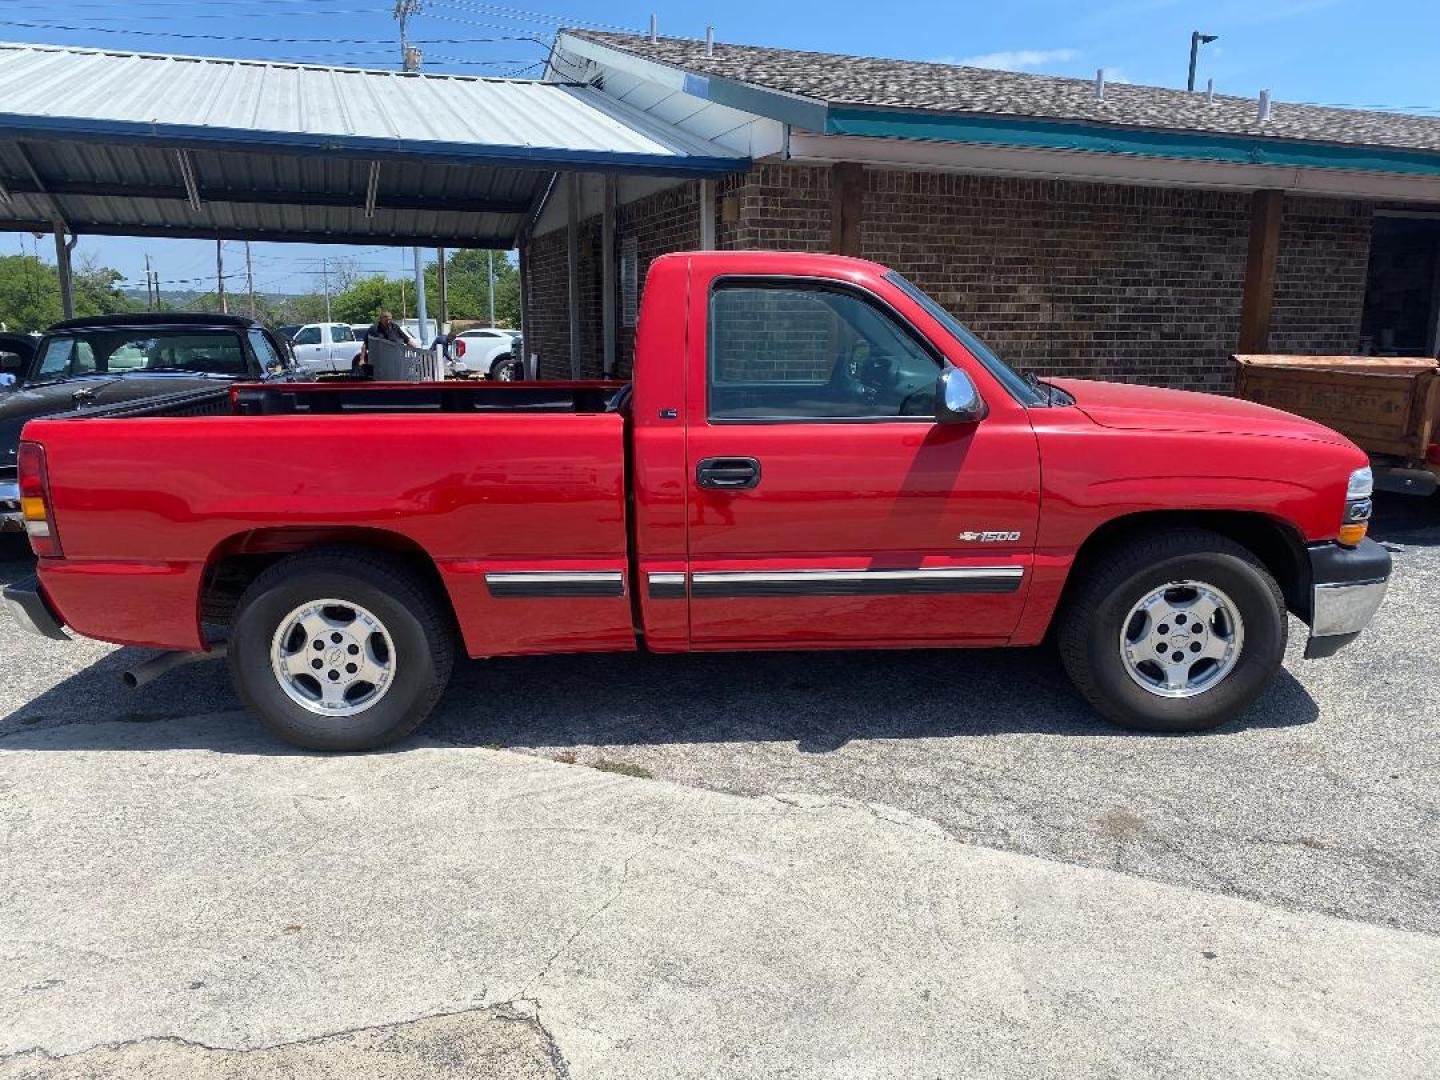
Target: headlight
1357, 507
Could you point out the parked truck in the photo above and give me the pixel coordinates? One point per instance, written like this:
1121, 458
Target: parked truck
813, 454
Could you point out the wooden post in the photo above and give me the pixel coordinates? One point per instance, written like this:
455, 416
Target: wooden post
1267, 207
847, 195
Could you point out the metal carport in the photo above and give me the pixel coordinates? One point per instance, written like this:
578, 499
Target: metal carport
101, 142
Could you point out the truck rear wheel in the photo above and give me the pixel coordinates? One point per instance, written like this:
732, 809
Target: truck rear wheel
340, 650
1176, 631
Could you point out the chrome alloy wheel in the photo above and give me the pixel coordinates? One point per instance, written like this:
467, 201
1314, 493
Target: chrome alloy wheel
333, 657
1182, 639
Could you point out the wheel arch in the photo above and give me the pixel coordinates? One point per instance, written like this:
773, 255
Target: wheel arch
1275, 542
239, 559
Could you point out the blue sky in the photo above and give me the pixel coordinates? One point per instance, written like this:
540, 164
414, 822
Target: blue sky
1385, 53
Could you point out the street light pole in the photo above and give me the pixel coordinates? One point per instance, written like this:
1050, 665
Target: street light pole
1196, 40
490, 274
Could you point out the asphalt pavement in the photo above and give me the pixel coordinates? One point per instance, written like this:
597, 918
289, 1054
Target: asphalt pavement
837, 864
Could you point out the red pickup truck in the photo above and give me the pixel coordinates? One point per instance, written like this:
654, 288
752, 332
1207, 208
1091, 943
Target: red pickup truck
813, 454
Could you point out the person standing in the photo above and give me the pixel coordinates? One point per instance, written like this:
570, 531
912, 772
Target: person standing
387, 329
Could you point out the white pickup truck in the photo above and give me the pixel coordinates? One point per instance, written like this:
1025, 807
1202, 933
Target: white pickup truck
322, 347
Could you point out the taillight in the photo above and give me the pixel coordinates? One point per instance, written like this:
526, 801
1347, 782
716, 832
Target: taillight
459, 346
35, 501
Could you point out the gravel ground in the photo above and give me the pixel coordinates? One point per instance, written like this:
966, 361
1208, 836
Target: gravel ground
1324, 798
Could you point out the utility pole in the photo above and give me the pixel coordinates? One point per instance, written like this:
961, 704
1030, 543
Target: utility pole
410, 61
420, 296
442, 288
1196, 40
490, 276
403, 10
220, 276
149, 286
249, 279
325, 274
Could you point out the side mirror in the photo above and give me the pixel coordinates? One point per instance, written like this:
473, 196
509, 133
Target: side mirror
956, 399
7, 381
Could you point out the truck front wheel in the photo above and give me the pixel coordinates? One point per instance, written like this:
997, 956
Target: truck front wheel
1175, 631
340, 650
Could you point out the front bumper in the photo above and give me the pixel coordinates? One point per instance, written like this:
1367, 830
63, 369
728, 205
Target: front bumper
10, 519
1347, 586
31, 610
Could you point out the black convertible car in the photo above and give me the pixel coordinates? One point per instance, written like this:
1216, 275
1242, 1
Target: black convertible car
110, 359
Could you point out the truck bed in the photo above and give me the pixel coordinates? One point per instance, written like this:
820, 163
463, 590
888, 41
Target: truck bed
483, 480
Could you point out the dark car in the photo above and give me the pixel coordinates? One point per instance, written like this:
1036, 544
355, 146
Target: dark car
288, 331
110, 359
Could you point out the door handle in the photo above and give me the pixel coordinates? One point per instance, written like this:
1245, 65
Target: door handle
728, 473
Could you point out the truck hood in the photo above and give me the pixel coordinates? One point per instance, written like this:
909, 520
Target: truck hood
1131, 407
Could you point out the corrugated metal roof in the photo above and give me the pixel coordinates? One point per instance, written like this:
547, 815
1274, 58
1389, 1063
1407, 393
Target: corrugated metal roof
109, 141
72, 91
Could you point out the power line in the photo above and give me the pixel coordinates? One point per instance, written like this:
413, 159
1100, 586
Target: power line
263, 40
500, 11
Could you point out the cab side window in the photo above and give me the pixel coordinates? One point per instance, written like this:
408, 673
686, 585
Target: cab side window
813, 353
308, 336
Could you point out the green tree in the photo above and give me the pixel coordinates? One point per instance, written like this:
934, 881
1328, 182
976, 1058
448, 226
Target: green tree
469, 287
96, 292
366, 298
29, 293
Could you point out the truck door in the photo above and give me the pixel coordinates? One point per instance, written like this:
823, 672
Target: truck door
342, 346
309, 345
827, 506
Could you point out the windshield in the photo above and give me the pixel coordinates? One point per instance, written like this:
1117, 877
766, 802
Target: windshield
1008, 377
118, 351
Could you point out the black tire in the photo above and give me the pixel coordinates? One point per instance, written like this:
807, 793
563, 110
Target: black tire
1095, 612
507, 369
424, 646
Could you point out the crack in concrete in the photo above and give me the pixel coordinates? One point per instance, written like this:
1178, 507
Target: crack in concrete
519, 1010
586, 922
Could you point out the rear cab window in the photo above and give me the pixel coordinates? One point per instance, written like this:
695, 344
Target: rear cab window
120, 351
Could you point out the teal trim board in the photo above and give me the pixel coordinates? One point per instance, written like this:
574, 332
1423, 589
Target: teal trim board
1191, 146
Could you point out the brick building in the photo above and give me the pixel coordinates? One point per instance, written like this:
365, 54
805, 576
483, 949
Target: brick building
1118, 231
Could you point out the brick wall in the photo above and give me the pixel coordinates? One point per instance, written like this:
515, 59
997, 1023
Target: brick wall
1106, 281
666, 221
1320, 276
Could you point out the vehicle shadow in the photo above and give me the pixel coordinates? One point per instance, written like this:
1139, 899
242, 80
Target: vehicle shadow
16, 561
1406, 519
817, 701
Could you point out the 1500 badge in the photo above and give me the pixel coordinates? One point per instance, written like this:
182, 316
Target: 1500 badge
988, 537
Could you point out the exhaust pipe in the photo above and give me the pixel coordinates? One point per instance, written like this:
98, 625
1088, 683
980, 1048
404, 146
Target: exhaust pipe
152, 669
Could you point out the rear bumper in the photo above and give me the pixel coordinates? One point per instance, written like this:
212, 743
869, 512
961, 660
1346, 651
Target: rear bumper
10, 519
1347, 587
28, 607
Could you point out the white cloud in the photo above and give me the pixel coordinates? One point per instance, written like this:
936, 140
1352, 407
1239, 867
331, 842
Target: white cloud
1014, 59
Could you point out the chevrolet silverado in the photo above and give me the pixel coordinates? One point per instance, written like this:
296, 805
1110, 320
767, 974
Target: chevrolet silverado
812, 454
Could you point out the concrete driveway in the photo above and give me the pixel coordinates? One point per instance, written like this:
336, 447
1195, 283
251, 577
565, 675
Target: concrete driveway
930, 864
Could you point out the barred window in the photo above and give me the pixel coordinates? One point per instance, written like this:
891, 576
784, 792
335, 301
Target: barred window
807, 352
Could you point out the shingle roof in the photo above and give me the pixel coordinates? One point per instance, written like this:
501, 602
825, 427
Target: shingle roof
910, 84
